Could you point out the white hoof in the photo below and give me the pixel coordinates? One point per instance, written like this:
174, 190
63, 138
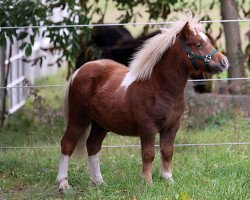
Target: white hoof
168, 177
63, 185
97, 181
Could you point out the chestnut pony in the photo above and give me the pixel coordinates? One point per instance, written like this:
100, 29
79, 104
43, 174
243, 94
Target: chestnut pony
145, 99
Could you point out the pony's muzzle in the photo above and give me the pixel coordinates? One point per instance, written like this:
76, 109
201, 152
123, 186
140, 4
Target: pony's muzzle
220, 64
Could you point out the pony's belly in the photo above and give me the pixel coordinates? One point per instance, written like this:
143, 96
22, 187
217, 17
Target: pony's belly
115, 123
124, 132
119, 128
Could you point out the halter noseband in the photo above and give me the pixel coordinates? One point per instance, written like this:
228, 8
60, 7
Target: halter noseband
192, 56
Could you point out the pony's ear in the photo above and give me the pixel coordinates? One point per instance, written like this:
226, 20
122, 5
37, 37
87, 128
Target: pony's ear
185, 30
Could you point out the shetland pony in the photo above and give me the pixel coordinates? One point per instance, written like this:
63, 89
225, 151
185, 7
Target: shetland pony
145, 99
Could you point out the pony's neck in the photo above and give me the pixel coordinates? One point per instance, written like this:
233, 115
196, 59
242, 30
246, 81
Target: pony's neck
170, 73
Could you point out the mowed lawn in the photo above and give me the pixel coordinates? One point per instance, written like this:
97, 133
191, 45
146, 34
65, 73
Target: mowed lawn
218, 172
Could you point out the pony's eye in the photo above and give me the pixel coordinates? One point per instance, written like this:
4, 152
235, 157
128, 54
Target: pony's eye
198, 45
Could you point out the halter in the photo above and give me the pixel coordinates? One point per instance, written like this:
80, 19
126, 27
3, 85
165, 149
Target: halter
192, 56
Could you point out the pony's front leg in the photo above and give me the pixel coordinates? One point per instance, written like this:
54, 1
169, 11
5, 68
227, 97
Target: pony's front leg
148, 154
167, 137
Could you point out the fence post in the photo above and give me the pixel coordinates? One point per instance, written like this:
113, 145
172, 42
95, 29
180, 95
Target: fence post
3, 90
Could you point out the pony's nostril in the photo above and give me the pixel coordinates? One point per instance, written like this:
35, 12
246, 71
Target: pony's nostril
224, 62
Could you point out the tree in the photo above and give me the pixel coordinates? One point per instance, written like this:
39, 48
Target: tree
233, 46
27, 13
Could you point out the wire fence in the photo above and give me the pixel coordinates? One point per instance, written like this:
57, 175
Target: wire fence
117, 24
65, 85
132, 145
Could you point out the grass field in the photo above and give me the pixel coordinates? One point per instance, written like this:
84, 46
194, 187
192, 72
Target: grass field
221, 172
199, 172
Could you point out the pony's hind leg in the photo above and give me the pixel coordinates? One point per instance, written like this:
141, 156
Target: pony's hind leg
73, 132
94, 143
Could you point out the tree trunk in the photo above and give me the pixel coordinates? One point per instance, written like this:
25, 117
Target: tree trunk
233, 47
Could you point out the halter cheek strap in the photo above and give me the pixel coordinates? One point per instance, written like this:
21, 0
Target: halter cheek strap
192, 56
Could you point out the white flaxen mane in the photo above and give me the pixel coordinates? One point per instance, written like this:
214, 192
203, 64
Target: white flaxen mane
146, 58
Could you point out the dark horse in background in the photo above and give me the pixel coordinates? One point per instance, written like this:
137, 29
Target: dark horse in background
145, 99
116, 43
104, 39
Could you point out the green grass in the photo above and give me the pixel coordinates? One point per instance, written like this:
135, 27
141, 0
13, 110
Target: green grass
199, 172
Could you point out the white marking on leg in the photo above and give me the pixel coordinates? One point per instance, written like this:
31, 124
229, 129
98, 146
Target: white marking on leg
62, 177
74, 75
166, 173
94, 169
128, 79
203, 36
167, 176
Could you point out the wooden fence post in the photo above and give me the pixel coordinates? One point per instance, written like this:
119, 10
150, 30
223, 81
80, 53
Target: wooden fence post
3, 90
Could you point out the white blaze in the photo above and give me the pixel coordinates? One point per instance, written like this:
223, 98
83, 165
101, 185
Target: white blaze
203, 36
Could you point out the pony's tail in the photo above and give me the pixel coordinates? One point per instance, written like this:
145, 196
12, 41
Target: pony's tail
66, 107
80, 148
